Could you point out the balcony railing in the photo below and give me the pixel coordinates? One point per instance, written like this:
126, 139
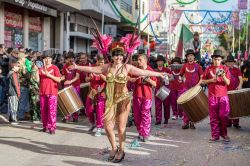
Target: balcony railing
127, 7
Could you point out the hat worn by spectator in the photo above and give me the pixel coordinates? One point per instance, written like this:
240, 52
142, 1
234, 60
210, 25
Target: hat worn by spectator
217, 53
196, 34
230, 58
176, 59
190, 52
160, 58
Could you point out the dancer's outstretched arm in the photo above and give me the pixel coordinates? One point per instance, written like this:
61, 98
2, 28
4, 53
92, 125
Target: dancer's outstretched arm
91, 69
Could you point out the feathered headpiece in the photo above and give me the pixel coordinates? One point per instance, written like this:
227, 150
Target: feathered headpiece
117, 47
100, 42
131, 42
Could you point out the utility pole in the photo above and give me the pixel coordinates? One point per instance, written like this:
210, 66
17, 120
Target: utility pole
139, 21
102, 16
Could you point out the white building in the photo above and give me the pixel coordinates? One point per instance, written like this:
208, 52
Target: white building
163, 27
45, 24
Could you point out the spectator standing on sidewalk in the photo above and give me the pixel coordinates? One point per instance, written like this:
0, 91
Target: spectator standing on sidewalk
24, 101
14, 91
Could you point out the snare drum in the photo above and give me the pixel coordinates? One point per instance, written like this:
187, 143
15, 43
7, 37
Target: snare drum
163, 93
239, 103
68, 101
195, 103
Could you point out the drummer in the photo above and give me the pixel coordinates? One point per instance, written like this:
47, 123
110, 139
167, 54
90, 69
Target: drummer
158, 103
49, 79
235, 84
177, 88
142, 99
217, 77
192, 72
71, 78
96, 99
83, 61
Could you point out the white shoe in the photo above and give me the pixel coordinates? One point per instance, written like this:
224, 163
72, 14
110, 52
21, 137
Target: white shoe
98, 132
36, 122
174, 118
14, 123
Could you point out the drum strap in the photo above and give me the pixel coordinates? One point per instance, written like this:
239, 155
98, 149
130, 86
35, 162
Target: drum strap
193, 74
234, 79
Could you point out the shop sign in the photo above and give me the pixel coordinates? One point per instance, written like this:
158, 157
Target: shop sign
34, 6
35, 24
13, 20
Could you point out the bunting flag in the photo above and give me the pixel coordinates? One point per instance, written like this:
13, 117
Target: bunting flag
242, 4
175, 16
217, 29
185, 38
235, 19
157, 7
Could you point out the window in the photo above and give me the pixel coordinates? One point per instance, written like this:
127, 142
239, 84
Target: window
127, 5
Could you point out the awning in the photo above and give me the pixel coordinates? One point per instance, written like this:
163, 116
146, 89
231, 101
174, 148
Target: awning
81, 35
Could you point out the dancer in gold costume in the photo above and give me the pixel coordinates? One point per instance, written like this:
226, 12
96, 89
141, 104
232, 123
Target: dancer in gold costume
118, 98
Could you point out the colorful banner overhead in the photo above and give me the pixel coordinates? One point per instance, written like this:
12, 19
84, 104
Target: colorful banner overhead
175, 16
157, 7
242, 4
235, 19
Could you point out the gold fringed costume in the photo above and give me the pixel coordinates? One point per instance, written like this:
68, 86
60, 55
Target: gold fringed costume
117, 94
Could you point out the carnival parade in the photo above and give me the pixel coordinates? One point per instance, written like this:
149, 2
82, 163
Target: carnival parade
124, 82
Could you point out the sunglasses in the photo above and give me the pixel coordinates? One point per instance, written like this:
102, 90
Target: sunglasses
117, 53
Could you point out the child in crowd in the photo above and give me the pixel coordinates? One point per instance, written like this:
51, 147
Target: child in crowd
14, 91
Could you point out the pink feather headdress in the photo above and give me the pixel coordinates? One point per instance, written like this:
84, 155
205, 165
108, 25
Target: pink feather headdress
100, 42
131, 42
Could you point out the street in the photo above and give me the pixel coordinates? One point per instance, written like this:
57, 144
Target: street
23, 145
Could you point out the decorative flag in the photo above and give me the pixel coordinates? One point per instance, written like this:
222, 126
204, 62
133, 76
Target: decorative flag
185, 37
235, 19
246, 55
157, 7
175, 16
242, 4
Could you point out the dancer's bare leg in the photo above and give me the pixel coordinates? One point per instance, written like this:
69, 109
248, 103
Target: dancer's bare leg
122, 121
109, 123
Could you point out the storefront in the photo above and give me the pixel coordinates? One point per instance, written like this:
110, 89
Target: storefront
35, 33
28, 24
13, 28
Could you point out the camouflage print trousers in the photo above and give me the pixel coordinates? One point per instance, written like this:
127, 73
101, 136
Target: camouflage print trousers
35, 107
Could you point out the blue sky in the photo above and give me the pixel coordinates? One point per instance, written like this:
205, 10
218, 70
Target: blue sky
210, 5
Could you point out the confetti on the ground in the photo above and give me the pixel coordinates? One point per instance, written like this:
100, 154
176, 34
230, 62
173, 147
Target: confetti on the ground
160, 134
134, 144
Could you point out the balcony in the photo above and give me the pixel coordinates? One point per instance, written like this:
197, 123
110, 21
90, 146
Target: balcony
94, 9
126, 7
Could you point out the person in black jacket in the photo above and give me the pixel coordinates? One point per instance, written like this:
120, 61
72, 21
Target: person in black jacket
14, 91
4, 63
245, 70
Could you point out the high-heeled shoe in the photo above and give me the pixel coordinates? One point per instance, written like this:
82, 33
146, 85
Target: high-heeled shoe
120, 159
111, 157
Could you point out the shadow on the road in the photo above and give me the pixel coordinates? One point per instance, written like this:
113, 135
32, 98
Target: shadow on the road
72, 151
78, 163
53, 149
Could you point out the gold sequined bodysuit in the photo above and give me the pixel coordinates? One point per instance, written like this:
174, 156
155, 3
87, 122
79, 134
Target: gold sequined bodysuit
116, 93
